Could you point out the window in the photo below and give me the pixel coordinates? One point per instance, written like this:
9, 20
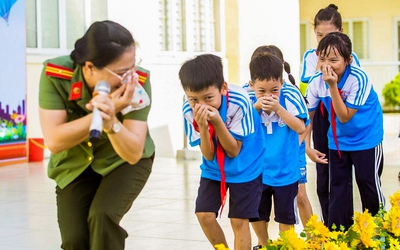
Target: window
54, 25
190, 25
304, 33
358, 31
398, 42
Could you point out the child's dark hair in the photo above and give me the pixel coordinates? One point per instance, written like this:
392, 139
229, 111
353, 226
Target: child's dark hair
266, 66
102, 44
274, 50
277, 52
202, 72
329, 14
337, 40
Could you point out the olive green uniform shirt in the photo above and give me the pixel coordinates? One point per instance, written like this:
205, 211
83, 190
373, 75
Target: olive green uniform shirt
71, 95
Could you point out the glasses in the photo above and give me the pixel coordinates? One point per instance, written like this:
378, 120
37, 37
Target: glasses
124, 77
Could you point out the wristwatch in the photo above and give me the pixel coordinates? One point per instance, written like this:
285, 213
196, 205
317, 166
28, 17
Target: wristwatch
116, 127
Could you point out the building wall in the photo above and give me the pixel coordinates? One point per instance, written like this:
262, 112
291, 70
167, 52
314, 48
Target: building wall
246, 25
268, 22
380, 13
383, 65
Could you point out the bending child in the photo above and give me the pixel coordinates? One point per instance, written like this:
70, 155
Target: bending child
284, 114
356, 131
325, 21
221, 120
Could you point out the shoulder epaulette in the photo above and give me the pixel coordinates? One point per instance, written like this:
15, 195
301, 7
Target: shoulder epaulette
142, 76
59, 71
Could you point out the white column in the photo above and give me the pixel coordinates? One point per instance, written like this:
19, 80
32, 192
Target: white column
269, 22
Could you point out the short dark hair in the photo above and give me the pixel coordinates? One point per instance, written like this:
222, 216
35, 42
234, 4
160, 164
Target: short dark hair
202, 72
275, 51
337, 40
266, 66
329, 14
102, 44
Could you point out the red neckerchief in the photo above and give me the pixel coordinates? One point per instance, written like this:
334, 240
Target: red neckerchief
220, 153
321, 109
333, 123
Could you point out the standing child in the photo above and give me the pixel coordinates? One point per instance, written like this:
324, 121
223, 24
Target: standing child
220, 118
303, 203
284, 114
356, 132
325, 21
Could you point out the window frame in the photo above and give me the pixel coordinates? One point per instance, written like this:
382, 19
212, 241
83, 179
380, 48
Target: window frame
350, 33
308, 29
396, 40
62, 36
187, 25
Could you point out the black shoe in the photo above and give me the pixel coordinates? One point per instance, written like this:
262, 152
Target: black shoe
257, 247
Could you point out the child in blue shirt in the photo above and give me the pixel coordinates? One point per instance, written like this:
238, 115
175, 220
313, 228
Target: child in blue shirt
303, 203
325, 21
283, 112
222, 121
356, 131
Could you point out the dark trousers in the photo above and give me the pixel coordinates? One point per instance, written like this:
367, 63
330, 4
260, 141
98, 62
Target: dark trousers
368, 166
321, 126
91, 207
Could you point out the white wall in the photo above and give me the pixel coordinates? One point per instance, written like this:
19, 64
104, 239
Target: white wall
269, 22
261, 22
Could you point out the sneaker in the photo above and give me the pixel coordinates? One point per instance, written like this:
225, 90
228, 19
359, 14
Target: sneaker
257, 247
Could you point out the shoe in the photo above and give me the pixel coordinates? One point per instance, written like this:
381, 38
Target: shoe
257, 247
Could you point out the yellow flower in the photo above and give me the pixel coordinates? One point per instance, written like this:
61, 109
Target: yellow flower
394, 215
220, 247
334, 246
316, 229
394, 244
343, 246
395, 199
334, 235
364, 224
354, 243
291, 241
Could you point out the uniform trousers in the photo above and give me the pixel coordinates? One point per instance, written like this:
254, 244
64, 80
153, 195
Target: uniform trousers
321, 126
368, 166
91, 207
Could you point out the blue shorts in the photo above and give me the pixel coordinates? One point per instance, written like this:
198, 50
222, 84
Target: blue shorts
244, 198
303, 173
303, 163
285, 204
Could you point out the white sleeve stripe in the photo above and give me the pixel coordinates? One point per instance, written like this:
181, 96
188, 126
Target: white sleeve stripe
244, 104
362, 85
247, 121
317, 74
293, 94
303, 77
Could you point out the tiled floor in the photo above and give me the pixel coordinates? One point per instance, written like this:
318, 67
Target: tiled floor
161, 218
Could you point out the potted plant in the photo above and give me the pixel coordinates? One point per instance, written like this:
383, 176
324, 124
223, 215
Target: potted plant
391, 95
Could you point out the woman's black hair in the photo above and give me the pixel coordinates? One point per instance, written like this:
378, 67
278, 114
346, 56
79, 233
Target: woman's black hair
329, 14
102, 44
